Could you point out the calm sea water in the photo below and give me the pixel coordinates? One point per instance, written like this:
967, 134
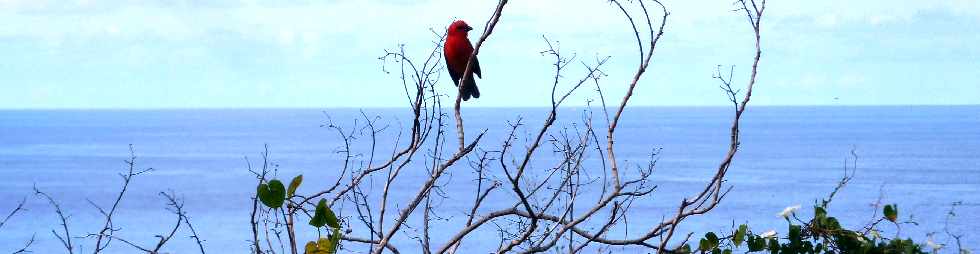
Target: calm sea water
924, 158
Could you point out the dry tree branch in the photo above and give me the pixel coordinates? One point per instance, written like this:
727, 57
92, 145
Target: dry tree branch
463, 150
106, 234
704, 202
19, 208
425, 119
410, 207
177, 207
515, 179
641, 69
107, 228
487, 30
368, 241
260, 176
542, 211
605, 227
194, 235
418, 134
29, 243
846, 178
956, 237
481, 193
66, 239
712, 194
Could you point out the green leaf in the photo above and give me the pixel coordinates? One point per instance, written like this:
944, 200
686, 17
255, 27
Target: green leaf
310, 247
323, 216
756, 243
832, 223
773, 246
331, 218
319, 216
335, 240
891, 212
712, 239
293, 185
709, 242
683, 249
794, 234
324, 244
272, 194
819, 212
740, 234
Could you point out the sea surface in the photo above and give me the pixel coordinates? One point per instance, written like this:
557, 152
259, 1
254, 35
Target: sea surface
923, 158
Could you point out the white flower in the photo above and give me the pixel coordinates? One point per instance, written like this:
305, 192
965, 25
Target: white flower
789, 210
861, 239
933, 245
768, 234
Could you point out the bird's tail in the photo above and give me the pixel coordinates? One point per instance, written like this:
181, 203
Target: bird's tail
470, 89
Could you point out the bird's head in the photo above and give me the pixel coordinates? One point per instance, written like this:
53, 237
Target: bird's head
459, 28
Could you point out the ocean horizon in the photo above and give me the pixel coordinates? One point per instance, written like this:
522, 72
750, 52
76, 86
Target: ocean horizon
921, 157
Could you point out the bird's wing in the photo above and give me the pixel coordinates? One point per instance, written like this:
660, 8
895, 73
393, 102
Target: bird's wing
476, 66
453, 73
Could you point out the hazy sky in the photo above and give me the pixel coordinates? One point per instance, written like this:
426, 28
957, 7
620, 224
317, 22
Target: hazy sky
186, 54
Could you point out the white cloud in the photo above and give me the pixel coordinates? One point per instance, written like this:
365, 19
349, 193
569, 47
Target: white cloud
266, 20
873, 12
699, 34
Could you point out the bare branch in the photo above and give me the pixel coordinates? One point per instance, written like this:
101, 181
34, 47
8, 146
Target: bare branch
65, 237
107, 228
20, 207
487, 30
26, 245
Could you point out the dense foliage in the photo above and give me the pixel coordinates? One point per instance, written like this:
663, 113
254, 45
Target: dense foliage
821, 234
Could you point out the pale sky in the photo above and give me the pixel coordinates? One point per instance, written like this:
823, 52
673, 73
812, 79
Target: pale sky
231, 54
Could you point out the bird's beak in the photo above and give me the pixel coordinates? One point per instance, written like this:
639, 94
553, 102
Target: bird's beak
468, 28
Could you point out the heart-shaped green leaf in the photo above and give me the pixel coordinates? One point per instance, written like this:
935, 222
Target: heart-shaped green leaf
272, 194
319, 217
709, 242
712, 238
293, 185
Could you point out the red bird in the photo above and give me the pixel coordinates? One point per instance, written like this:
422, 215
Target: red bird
457, 51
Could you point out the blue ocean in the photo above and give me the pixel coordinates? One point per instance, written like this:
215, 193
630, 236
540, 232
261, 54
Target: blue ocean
923, 158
